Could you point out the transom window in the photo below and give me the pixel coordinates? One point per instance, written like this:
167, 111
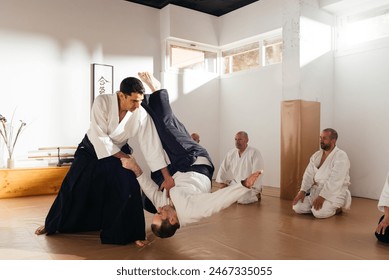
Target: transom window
260, 52
189, 56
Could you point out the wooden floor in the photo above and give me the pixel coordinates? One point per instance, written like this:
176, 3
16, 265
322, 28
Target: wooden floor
267, 230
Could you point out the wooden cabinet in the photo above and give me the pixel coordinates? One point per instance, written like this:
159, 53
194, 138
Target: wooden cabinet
31, 181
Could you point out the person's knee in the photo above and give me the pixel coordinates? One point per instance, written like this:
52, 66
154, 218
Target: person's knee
248, 198
301, 208
323, 213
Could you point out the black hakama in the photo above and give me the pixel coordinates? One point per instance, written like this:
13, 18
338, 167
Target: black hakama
98, 195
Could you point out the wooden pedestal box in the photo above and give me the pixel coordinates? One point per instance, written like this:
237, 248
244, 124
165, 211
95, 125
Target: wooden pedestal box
31, 181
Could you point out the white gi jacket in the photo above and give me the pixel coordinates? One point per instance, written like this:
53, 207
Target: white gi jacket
332, 178
191, 196
384, 198
108, 135
234, 169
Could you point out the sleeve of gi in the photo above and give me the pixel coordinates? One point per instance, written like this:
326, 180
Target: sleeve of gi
384, 198
102, 143
150, 189
150, 144
224, 175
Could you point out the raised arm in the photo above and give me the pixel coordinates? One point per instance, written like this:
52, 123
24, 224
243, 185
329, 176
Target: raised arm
157, 197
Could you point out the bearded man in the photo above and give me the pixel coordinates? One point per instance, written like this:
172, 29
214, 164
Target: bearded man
324, 188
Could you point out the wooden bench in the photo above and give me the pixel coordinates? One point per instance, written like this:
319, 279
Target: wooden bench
31, 181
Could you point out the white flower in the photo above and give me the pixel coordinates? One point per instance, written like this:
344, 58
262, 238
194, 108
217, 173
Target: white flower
6, 132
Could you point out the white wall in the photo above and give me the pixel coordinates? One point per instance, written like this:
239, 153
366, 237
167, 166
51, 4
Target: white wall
360, 102
251, 102
251, 20
317, 61
361, 113
189, 25
46, 49
197, 106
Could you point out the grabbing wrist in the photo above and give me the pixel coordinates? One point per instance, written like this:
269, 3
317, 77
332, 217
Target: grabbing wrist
137, 171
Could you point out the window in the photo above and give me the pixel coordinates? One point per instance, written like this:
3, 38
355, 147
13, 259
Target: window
358, 29
241, 58
272, 51
260, 52
189, 56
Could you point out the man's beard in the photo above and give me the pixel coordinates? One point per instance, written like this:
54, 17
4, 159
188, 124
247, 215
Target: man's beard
325, 147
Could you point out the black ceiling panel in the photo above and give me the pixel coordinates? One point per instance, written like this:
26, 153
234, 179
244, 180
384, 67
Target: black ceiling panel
212, 7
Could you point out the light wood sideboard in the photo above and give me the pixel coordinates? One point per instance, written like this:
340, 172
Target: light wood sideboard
31, 181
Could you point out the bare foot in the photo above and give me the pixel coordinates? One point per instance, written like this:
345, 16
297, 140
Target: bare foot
40, 230
249, 181
150, 81
141, 243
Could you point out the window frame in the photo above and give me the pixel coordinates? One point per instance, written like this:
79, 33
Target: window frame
172, 41
189, 45
272, 35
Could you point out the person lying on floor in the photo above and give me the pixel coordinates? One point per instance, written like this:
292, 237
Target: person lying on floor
382, 230
191, 167
189, 200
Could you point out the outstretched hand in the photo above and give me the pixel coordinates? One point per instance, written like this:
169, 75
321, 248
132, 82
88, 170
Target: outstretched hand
150, 81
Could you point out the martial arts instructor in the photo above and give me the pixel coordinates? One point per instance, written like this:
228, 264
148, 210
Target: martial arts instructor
97, 192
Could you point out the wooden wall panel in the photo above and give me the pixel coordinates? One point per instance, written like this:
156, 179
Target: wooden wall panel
300, 131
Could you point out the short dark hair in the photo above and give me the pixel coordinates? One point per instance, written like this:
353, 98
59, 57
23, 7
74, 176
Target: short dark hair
130, 85
166, 229
334, 134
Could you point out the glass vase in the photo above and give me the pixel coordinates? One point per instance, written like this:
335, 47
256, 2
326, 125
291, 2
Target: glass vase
10, 163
